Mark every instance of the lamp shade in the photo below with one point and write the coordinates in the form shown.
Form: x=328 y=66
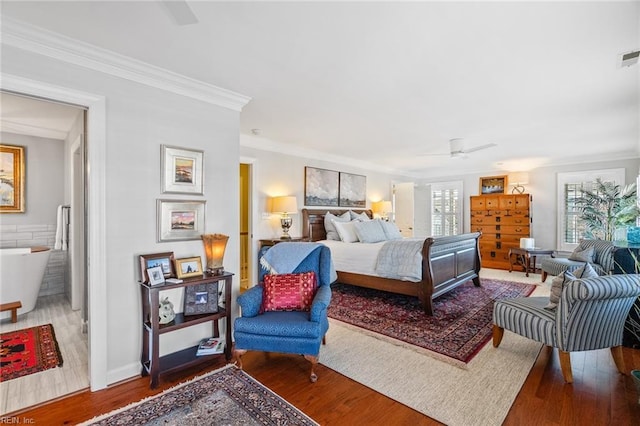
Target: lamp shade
x=519 y=178
x=285 y=204
x=381 y=207
x=214 y=247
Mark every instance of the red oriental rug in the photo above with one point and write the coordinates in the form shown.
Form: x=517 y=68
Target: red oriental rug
x=461 y=325
x=28 y=351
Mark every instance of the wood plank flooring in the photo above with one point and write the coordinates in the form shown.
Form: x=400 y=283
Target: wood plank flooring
x=598 y=396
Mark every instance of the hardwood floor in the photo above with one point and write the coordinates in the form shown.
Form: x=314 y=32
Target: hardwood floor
x=598 y=396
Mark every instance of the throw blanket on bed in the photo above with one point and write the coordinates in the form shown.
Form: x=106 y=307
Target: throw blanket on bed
x=284 y=258
x=401 y=259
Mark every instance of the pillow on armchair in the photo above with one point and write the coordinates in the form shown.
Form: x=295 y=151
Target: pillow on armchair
x=583 y=255
x=565 y=278
x=289 y=292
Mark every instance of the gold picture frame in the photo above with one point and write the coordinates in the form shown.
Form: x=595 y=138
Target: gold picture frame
x=189 y=267
x=493 y=185
x=12 y=170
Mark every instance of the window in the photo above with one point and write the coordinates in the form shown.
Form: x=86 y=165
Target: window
x=446 y=208
x=570 y=227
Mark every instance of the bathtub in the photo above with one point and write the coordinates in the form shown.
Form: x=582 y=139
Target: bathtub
x=21 y=273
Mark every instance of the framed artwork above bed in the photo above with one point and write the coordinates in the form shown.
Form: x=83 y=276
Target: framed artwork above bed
x=320 y=187
x=353 y=190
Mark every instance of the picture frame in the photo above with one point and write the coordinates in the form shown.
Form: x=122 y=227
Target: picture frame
x=156 y=276
x=182 y=170
x=163 y=260
x=189 y=267
x=180 y=220
x=493 y=185
x=12 y=173
x=201 y=299
x=321 y=187
x=353 y=190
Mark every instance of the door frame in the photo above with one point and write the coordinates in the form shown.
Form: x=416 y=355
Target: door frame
x=96 y=209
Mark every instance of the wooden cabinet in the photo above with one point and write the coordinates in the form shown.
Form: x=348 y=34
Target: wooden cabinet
x=503 y=220
x=152 y=363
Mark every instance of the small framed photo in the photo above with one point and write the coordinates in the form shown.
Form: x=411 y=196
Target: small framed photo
x=201 y=299
x=182 y=170
x=162 y=260
x=189 y=267
x=493 y=185
x=180 y=220
x=155 y=275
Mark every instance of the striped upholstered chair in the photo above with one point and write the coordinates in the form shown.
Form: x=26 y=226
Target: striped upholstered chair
x=602 y=262
x=590 y=315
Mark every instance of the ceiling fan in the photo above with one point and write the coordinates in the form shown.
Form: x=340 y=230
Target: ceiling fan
x=180 y=11
x=458 y=150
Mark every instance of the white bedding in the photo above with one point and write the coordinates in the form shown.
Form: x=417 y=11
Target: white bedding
x=402 y=261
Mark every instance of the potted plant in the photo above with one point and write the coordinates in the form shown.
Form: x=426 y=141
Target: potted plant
x=606 y=207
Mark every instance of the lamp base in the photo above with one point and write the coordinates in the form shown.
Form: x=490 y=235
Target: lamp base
x=518 y=189
x=215 y=271
x=285 y=222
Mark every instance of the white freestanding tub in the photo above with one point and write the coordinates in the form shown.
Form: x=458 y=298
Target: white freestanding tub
x=21 y=273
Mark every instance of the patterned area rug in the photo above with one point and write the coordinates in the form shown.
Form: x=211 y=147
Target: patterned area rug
x=460 y=327
x=227 y=396
x=28 y=351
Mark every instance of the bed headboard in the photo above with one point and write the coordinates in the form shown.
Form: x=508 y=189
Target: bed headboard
x=313 y=221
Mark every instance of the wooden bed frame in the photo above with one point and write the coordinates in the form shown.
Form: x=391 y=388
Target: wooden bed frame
x=450 y=261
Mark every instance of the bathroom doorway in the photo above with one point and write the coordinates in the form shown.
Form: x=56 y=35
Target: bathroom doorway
x=53 y=135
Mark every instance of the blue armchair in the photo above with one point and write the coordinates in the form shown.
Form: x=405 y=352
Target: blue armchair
x=590 y=315
x=297 y=332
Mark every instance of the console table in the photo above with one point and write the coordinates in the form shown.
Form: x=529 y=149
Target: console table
x=527 y=257
x=155 y=365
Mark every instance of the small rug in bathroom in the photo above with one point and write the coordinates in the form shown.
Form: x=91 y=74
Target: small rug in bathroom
x=28 y=351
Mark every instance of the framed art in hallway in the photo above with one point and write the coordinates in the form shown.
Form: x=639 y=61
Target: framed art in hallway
x=493 y=185
x=180 y=220
x=163 y=260
x=182 y=170
x=12 y=170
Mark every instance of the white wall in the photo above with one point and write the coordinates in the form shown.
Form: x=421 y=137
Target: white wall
x=140 y=118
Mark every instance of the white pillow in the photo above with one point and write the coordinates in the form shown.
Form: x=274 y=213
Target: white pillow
x=362 y=217
x=370 y=231
x=391 y=230
x=330 y=229
x=347 y=231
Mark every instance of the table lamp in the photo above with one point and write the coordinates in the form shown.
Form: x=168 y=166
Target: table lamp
x=284 y=205
x=214 y=247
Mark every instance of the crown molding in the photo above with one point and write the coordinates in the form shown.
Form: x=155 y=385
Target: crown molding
x=57 y=46
x=26 y=129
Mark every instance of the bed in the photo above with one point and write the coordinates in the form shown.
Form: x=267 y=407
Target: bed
x=450 y=262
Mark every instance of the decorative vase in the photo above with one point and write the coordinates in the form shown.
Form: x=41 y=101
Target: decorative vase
x=633 y=235
x=166 y=311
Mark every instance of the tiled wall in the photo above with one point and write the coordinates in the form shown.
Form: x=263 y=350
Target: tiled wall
x=39 y=235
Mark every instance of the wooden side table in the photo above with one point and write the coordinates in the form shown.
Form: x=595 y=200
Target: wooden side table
x=527 y=257
x=274 y=241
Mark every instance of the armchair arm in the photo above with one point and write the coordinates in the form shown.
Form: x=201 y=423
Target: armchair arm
x=250 y=301
x=320 y=303
x=605 y=287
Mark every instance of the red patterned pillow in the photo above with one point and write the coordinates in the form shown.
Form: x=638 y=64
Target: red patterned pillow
x=289 y=292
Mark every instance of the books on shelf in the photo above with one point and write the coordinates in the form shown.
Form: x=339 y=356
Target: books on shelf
x=210 y=346
x=173 y=280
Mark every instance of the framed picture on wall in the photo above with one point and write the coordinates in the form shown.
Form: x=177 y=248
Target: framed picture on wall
x=353 y=190
x=182 y=170
x=493 y=185
x=321 y=187
x=180 y=220
x=12 y=169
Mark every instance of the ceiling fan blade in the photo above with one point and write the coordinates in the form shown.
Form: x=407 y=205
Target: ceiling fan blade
x=180 y=12
x=478 y=148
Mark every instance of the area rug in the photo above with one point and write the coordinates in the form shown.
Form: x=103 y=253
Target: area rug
x=460 y=326
x=480 y=394
x=227 y=396
x=28 y=351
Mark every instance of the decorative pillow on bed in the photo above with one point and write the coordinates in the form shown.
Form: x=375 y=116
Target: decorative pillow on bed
x=370 y=231
x=330 y=229
x=391 y=230
x=565 y=278
x=347 y=231
x=289 y=292
x=583 y=255
x=363 y=217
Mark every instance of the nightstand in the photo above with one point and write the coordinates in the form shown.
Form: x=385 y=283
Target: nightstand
x=274 y=241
